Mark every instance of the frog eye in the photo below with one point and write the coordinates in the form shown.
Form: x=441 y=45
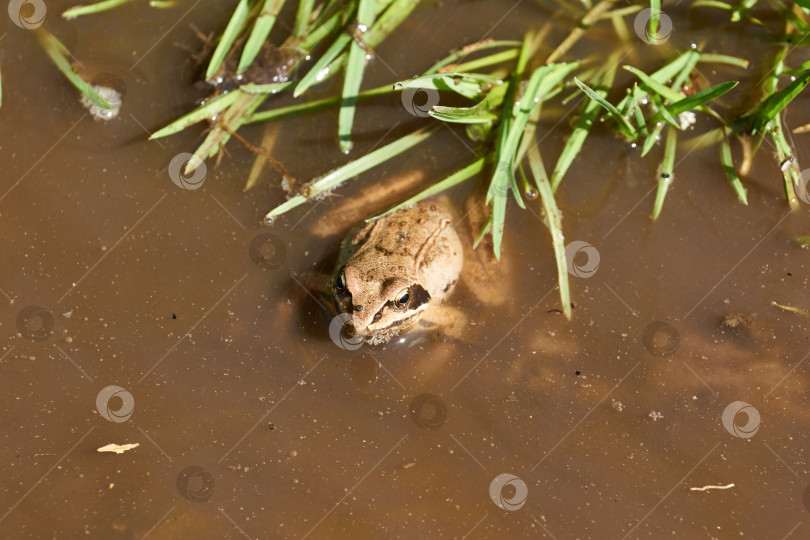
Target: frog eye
x=402 y=297
x=340 y=281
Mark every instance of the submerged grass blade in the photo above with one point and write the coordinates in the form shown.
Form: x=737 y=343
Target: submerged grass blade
x=231 y=120
x=667 y=166
x=228 y=38
x=730 y=172
x=456 y=178
x=59 y=55
x=325 y=183
x=261 y=29
x=98 y=7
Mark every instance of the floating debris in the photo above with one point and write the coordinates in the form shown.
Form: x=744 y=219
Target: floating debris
x=118 y=448
x=707 y=488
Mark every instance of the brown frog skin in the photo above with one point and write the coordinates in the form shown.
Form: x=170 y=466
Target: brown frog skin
x=392 y=269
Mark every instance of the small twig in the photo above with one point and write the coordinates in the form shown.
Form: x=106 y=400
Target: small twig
x=276 y=164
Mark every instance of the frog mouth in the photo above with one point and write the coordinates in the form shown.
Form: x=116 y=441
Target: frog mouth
x=387 y=332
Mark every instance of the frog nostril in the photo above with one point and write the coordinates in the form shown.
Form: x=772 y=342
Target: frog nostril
x=358 y=308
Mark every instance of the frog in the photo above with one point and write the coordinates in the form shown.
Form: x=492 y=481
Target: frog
x=394 y=272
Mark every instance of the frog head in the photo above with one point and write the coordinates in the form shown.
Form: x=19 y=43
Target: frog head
x=383 y=302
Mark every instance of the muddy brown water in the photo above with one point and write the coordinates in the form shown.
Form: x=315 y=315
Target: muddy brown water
x=252 y=422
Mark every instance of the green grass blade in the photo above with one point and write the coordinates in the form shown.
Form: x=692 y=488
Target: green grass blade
x=319 y=71
x=731 y=172
x=667 y=166
x=203 y=112
x=655 y=15
x=655 y=86
x=588 y=115
x=261 y=29
x=503 y=175
x=303 y=16
x=652 y=138
x=314 y=106
x=486 y=61
x=462 y=115
x=787 y=160
x=665 y=113
x=638 y=116
x=663 y=75
x=59 y=55
x=465 y=51
x=773 y=104
x=628 y=130
x=355 y=66
x=98 y=7
x=506 y=151
x=456 y=178
x=723 y=59
x=228 y=38
x=332 y=60
x=469 y=85
x=696 y=100
x=352 y=169
x=554 y=219
x=691 y=59
x=320 y=32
